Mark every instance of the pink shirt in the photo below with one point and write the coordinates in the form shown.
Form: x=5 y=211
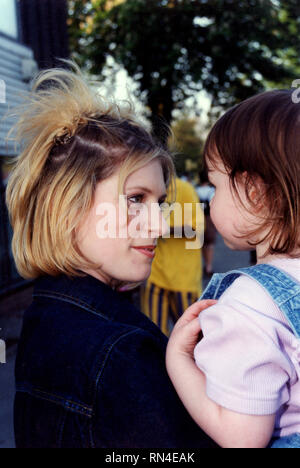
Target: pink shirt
x=249 y=354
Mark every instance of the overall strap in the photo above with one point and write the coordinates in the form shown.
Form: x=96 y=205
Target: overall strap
x=284 y=290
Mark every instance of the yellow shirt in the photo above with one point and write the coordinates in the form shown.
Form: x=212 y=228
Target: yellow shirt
x=177 y=265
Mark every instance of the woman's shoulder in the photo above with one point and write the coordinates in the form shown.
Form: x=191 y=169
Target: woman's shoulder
x=82 y=325
x=85 y=327
x=66 y=350
x=81 y=304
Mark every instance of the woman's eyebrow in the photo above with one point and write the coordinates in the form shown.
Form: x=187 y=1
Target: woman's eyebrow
x=147 y=190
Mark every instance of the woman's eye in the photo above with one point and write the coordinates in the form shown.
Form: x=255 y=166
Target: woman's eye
x=140 y=198
x=136 y=198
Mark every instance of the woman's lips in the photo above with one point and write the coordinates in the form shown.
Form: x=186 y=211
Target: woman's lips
x=148 y=250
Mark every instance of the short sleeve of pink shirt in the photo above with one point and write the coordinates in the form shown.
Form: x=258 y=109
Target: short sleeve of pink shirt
x=246 y=351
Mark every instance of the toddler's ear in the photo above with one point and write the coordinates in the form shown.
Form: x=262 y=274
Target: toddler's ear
x=253 y=195
x=255 y=189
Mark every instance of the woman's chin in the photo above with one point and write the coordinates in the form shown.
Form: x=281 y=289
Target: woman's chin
x=140 y=276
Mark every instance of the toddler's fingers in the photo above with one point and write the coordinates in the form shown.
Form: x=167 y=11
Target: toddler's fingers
x=188 y=336
x=194 y=310
x=193 y=328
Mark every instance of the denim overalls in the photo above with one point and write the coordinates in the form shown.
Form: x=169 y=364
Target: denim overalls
x=285 y=292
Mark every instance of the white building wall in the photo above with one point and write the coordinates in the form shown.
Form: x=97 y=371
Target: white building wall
x=14 y=57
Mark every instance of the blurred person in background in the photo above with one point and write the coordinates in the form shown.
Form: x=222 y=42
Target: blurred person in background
x=176 y=276
x=206 y=193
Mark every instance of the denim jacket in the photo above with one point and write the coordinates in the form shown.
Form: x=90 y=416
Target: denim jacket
x=90 y=373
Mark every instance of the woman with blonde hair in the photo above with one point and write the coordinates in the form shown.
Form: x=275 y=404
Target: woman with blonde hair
x=90 y=367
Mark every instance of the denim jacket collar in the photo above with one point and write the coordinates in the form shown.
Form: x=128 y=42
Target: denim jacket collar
x=86 y=292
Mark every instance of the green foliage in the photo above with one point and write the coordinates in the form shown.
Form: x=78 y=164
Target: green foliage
x=173 y=48
x=187 y=144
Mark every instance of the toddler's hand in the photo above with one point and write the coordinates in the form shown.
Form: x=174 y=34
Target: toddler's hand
x=185 y=334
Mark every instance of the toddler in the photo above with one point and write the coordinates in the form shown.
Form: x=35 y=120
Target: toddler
x=241 y=382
